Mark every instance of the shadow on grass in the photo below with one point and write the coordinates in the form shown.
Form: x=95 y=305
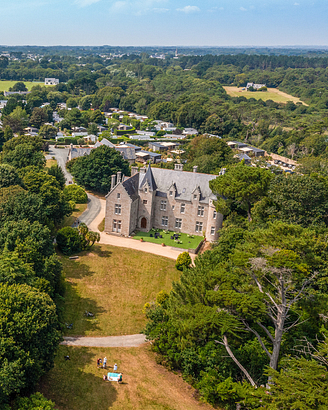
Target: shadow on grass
x=74 y=384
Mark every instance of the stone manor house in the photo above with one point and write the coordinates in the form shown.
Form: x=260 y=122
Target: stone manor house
x=175 y=200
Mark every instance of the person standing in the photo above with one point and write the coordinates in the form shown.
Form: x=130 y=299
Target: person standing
x=115 y=367
x=105 y=362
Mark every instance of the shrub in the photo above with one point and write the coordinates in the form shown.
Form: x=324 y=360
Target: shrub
x=35 y=402
x=183 y=260
x=75 y=193
x=69 y=240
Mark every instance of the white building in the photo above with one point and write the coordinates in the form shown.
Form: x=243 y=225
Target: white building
x=51 y=81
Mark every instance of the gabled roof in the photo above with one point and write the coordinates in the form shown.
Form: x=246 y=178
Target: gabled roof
x=149 y=179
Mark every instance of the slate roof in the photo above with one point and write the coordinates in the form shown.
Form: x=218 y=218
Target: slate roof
x=148 y=178
x=104 y=141
x=128 y=152
x=131 y=186
x=80 y=152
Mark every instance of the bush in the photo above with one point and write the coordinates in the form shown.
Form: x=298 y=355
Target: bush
x=69 y=240
x=183 y=260
x=35 y=402
x=75 y=193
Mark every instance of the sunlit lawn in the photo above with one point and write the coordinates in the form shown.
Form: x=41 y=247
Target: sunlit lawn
x=113 y=283
x=77 y=384
x=5 y=85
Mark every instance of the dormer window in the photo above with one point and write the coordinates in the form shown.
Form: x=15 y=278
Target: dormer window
x=195 y=196
x=146 y=190
x=118 y=196
x=171 y=193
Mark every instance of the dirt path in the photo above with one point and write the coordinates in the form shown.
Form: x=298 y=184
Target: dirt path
x=109 y=341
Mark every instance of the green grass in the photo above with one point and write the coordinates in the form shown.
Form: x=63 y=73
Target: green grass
x=114 y=284
x=101 y=226
x=187 y=241
x=5 y=85
x=77 y=384
x=271 y=94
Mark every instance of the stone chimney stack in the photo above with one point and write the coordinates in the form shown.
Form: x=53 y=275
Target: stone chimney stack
x=119 y=176
x=178 y=167
x=113 y=181
x=142 y=171
x=134 y=170
x=194 y=168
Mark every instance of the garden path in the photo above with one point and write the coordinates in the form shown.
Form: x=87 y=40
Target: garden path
x=166 y=251
x=108 y=341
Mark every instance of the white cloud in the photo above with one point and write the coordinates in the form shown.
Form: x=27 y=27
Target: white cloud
x=296 y=4
x=84 y=3
x=189 y=9
x=242 y=9
x=160 y=10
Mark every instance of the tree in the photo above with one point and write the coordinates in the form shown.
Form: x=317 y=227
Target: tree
x=94 y=171
x=8 y=133
x=93 y=129
x=68 y=240
x=242 y=185
x=183 y=261
x=57 y=172
x=298 y=199
x=71 y=103
x=46 y=186
x=301 y=383
x=35 y=141
x=76 y=194
x=20 y=86
x=8 y=176
x=210 y=154
x=35 y=402
x=38 y=117
x=17 y=204
x=17 y=120
x=47 y=131
x=24 y=155
x=88 y=238
x=28 y=336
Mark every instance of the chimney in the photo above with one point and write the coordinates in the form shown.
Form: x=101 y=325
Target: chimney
x=134 y=170
x=194 y=168
x=119 y=176
x=113 y=182
x=142 y=170
x=178 y=167
x=71 y=145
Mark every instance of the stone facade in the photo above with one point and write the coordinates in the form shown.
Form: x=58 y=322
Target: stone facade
x=160 y=198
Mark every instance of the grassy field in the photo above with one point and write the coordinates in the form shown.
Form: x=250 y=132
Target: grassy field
x=5 y=85
x=79 y=209
x=114 y=284
x=187 y=242
x=272 y=94
x=77 y=384
x=50 y=163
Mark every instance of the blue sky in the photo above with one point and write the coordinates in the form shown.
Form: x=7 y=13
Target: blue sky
x=164 y=22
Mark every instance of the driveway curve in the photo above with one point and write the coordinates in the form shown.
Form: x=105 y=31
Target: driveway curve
x=93 y=210
x=108 y=341
x=61 y=156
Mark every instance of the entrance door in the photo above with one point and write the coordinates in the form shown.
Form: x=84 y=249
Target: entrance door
x=144 y=223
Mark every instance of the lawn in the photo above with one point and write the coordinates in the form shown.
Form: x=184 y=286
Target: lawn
x=187 y=241
x=272 y=94
x=5 y=85
x=77 y=384
x=50 y=163
x=114 y=284
x=78 y=211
